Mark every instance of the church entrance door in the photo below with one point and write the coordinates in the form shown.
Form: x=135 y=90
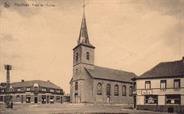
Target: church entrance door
x=108 y=99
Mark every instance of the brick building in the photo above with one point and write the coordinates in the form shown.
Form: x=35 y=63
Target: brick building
x=34 y=91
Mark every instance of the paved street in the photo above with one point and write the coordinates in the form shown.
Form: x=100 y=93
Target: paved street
x=71 y=109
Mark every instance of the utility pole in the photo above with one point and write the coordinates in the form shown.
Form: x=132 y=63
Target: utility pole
x=7 y=91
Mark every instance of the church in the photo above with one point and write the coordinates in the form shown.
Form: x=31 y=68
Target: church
x=95 y=84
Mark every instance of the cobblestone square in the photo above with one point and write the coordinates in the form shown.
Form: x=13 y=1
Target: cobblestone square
x=71 y=109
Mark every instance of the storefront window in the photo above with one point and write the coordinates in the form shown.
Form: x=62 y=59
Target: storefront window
x=28 y=99
x=173 y=99
x=151 y=99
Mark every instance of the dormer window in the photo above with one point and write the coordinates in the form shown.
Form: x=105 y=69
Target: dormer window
x=87 y=55
x=35 y=85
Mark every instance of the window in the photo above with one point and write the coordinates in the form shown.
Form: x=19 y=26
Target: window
x=116 y=90
x=77 y=57
x=163 y=84
x=52 y=90
x=44 y=89
x=151 y=99
x=58 y=91
x=35 y=85
x=76 y=71
x=99 y=89
x=173 y=99
x=177 y=83
x=147 y=85
x=130 y=91
x=19 y=89
x=76 y=86
x=124 y=90
x=2 y=91
x=28 y=89
x=58 y=98
x=87 y=55
x=1 y=98
x=108 y=90
x=18 y=97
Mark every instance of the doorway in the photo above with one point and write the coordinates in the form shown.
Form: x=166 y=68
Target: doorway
x=36 y=100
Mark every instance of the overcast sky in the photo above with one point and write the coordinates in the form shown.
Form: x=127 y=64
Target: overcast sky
x=129 y=35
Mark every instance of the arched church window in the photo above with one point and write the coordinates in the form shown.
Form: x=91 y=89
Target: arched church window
x=116 y=90
x=87 y=55
x=77 y=56
x=76 y=85
x=99 y=89
x=108 y=90
x=123 y=90
x=130 y=91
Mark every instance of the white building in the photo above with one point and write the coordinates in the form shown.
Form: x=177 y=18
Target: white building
x=162 y=88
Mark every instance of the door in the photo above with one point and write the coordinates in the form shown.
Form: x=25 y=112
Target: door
x=22 y=98
x=36 y=100
x=108 y=99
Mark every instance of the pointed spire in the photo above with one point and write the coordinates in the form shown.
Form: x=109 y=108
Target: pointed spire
x=83 y=36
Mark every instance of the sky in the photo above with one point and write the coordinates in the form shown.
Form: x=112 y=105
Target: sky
x=130 y=35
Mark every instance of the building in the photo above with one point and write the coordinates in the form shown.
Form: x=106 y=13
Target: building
x=162 y=88
x=94 y=84
x=34 y=91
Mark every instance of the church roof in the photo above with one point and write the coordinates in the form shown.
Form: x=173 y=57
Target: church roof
x=46 y=84
x=165 y=70
x=110 y=74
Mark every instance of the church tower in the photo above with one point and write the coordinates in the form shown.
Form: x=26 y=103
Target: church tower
x=83 y=57
x=83 y=53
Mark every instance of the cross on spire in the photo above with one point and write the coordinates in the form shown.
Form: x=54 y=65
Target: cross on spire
x=84 y=5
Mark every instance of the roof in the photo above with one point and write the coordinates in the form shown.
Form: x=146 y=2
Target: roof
x=165 y=69
x=110 y=74
x=46 y=84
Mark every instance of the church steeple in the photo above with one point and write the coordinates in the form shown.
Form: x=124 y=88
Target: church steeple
x=83 y=35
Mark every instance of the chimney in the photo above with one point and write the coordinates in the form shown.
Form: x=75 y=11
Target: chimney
x=22 y=80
